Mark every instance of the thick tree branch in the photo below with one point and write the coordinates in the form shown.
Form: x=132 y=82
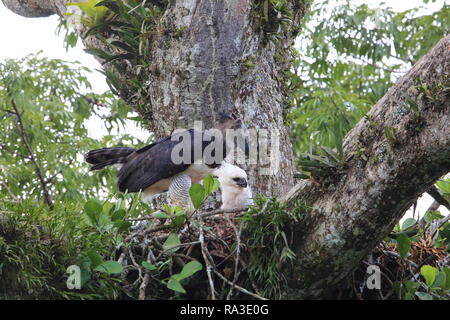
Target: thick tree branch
x=34 y=8
x=405 y=140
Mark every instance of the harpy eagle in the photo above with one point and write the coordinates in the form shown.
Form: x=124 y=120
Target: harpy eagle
x=173 y=163
x=236 y=192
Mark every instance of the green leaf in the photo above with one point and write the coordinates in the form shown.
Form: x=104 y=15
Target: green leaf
x=411 y=286
x=440 y=280
x=424 y=296
x=444 y=185
x=447 y=278
x=188 y=270
x=104 y=221
x=429 y=273
x=110 y=267
x=432 y=215
x=211 y=184
x=175 y=285
x=408 y=223
x=160 y=215
x=93 y=209
x=148 y=266
x=118 y=215
x=122 y=226
x=95 y=258
x=179 y=220
x=171 y=242
x=404 y=245
x=97 y=52
x=197 y=193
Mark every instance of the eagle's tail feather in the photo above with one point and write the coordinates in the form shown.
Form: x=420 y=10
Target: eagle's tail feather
x=101 y=158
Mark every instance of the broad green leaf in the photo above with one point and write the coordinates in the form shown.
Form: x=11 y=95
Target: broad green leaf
x=444 y=185
x=197 y=193
x=446 y=270
x=188 y=270
x=429 y=273
x=211 y=184
x=404 y=245
x=408 y=223
x=171 y=242
x=424 y=296
x=175 y=285
x=432 y=215
x=440 y=280
x=148 y=266
x=160 y=215
x=110 y=267
x=104 y=221
x=179 y=220
x=95 y=258
x=118 y=215
x=411 y=286
x=93 y=207
x=122 y=226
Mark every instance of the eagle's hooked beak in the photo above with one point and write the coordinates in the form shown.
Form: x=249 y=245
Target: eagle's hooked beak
x=241 y=182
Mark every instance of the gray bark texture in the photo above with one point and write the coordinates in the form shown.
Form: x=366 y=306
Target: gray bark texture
x=391 y=156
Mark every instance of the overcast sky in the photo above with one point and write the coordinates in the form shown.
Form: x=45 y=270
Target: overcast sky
x=21 y=36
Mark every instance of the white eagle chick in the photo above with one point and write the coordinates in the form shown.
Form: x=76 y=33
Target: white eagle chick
x=236 y=192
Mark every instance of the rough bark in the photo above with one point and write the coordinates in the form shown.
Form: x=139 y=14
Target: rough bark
x=359 y=206
x=391 y=156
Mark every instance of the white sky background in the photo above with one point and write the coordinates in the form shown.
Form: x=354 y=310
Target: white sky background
x=20 y=36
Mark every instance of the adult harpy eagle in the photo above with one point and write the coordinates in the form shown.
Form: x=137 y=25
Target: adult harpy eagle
x=157 y=168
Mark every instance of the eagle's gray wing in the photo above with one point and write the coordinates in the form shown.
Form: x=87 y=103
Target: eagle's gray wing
x=150 y=164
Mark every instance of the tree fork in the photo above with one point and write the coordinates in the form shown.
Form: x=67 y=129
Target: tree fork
x=362 y=204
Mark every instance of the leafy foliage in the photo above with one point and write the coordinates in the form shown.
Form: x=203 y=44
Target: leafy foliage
x=423 y=247
x=348 y=56
x=47 y=96
x=125 y=33
x=93 y=14
x=269 y=241
x=44 y=133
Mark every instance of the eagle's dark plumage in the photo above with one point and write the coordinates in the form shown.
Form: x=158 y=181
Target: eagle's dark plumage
x=150 y=169
x=101 y=158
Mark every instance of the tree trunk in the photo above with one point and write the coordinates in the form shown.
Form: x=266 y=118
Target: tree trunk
x=209 y=56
